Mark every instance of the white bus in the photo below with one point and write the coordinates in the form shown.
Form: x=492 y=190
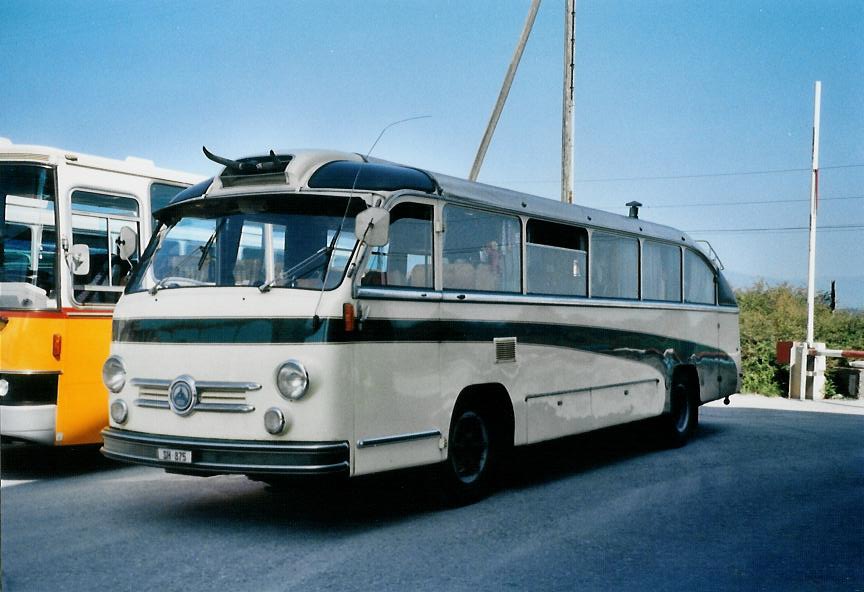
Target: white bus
x=320 y=312
x=69 y=231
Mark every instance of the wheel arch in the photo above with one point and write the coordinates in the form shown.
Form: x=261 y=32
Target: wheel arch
x=494 y=399
x=688 y=375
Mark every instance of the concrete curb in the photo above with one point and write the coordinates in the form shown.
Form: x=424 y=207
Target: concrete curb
x=845 y=406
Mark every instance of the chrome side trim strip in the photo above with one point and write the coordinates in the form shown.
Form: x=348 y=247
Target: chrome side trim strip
x=397 y=439
x=32 y=372
x=214 y=407
x=427 y=295
x=376 y=293
x=203 y=385
x=592 y=388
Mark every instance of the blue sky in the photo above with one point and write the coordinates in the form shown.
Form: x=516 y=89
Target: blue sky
x=678 y=90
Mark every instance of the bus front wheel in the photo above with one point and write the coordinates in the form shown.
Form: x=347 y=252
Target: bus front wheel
x=468 y=473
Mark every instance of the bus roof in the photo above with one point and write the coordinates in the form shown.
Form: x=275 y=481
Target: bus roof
x=54 y=156
x=313 y=170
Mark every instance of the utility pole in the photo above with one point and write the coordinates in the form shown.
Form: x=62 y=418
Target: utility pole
x=807 y=364
x=505 y=90
x=814 y=205
x=567 y=115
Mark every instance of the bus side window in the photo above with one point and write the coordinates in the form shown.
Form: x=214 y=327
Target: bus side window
x=556 y=258
x=406 y=261
x=96 y=221
x=661 y=272
x=698 y=279
x=614 y=266
x=482 y=251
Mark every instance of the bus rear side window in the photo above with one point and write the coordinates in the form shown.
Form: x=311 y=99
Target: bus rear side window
x=614 y=266
x=661 y=272
x=556 y=259
x=698 y=279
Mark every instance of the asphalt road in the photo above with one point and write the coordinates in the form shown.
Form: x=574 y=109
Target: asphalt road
x=761 y=499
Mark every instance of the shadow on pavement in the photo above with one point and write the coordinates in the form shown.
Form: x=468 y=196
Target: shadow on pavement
x=348 y=504
x=28 y=462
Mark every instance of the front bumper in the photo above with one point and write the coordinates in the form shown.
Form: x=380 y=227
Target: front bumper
x=215 y=457
x=33 y=423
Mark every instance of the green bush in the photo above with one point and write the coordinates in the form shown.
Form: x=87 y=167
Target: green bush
x=779 y=313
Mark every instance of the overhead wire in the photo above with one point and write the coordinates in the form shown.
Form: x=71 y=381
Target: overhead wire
x=687 y=176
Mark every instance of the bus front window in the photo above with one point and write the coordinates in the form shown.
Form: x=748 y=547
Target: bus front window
x=259 y=242
x=28 y=238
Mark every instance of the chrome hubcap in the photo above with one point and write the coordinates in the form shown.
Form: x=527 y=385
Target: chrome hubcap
x=469 y=447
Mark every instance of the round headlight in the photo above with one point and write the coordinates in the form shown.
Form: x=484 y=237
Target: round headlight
x=4 y=387
x=114 y=374
x=292 y=380
x=119 y=411
x=274 y=421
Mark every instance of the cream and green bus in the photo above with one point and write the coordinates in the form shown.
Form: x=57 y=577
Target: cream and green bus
x=314 y=312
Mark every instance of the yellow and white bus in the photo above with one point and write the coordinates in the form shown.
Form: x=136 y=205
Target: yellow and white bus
x=320 y=312
x=68 y=241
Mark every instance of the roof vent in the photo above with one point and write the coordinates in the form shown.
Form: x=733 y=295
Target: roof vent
x=254 y=170
x=634 y=208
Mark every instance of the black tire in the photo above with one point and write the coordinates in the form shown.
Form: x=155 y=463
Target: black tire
x=473 y=455
x=677 y=426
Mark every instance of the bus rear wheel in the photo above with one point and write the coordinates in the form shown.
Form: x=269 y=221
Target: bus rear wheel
x=468 y=473
x=677 y=426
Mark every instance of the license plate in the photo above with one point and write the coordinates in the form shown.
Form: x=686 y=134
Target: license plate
x=176 y=456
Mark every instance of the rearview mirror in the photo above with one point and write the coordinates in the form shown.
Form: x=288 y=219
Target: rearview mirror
x=372 y=226
x=79 y=259
x=127 y=243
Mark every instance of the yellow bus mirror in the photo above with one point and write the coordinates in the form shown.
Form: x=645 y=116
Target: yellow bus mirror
x=127 y=243
x=79 y=259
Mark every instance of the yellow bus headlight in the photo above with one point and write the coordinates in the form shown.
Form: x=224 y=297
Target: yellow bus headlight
x=114 y=374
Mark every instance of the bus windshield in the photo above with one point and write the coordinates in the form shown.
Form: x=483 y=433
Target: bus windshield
x=28 y=237
x=265 y=242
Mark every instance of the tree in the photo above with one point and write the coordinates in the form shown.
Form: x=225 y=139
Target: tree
x=779 y=313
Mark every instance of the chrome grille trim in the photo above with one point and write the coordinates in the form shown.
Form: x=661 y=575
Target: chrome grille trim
x=200 y=406
x=202 y=385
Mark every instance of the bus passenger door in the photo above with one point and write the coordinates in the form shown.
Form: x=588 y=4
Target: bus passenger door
x=397 y=404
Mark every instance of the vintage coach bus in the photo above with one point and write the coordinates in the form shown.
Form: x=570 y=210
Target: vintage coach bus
x=320 y=312
x=69 y=228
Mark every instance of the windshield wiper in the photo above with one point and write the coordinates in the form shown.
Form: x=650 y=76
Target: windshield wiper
x=300 y=269
x=205 y=249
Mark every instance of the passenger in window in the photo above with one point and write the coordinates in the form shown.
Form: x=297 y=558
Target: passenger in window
x=491 y=256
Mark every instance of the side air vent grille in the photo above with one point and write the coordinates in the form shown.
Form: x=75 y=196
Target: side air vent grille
x=505 y=349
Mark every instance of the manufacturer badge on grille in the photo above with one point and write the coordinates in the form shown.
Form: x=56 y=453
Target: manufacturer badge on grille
x=182 y=395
